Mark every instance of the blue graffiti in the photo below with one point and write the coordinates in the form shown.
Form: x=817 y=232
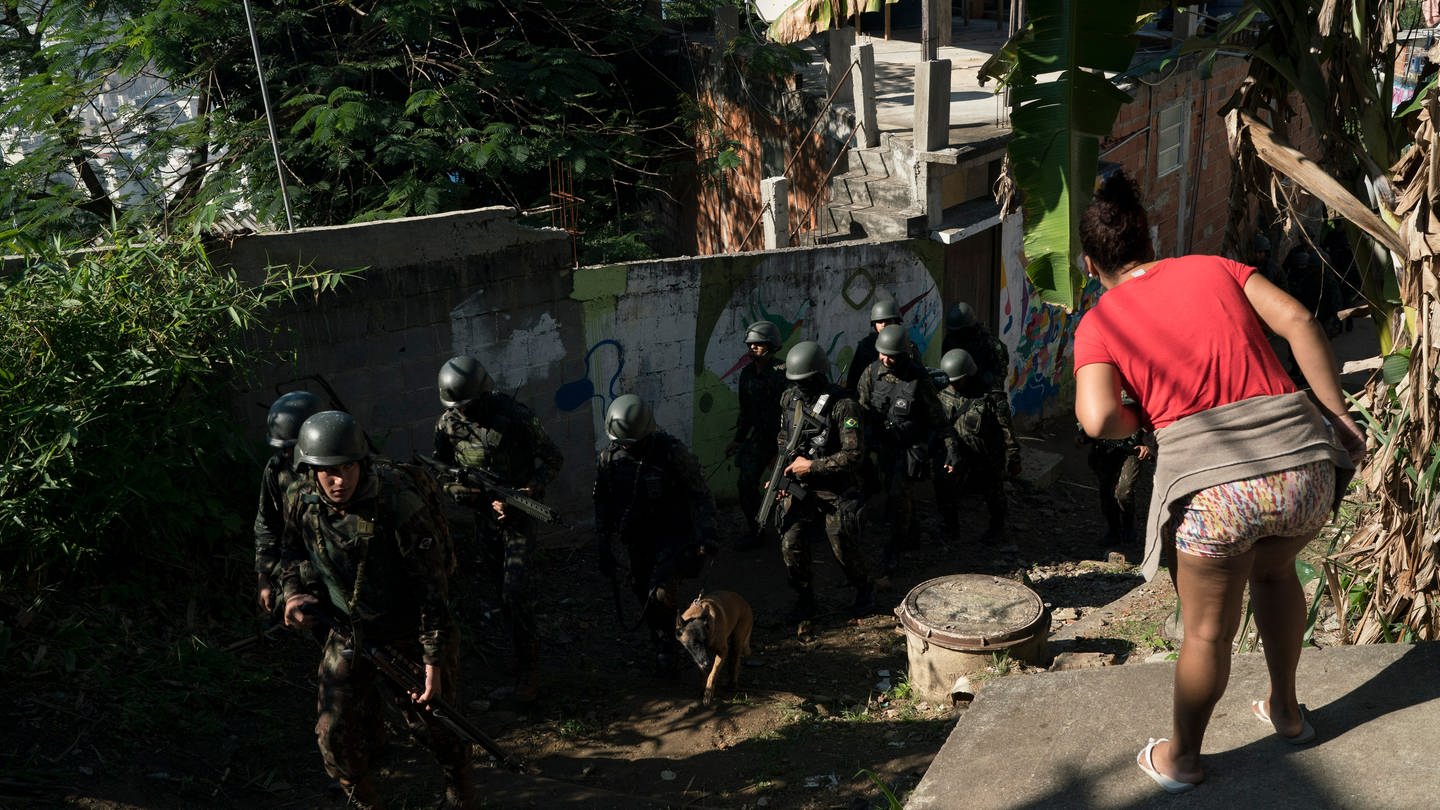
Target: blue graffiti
x=576 y=394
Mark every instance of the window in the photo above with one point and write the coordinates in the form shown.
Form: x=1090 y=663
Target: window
x=1170 y=151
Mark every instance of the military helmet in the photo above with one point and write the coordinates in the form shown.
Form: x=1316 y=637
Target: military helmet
x=329 y=439
x=628 y=419
x=958 y=364
x=892 y=341
x=805 y=360
x=960 y=316
x=462 y=378
x=884 y=309
x=286 y=416
x=1260 y=242
x=763 y=332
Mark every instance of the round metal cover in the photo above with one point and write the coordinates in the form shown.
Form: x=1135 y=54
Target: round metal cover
x=972 y=612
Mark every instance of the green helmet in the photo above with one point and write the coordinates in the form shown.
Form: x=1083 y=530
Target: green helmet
x=287 y=414
x=628 y=419
x=884 y=309
x=892 y=341
x=958 y=364
x=960 y=316
x=462 y=378
x=805 y=360
x=329 y=439
x=763 y=332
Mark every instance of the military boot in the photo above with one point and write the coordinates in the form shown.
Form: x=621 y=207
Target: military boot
x=362 y=793
x=459 y=790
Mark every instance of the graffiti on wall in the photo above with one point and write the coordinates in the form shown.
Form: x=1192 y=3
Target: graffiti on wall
x=577 y=393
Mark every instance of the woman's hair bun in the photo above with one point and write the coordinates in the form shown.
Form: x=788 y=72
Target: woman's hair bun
x=1118 y=190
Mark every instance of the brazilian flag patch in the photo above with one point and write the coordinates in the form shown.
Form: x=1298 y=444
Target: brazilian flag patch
x=850 y=423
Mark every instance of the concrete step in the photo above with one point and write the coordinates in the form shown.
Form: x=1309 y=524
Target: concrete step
x=865 y=189
x=881 y=222
x=1069 y=739
x=875 y=161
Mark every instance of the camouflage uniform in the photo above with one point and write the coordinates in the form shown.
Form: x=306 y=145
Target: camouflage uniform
x=1117 y=468
x=495 y=433
x=982 y=450
x=652 y=497
x=865 y=354
x=761 y=384
x=993 y=360
x=834 y=442
x=279 y=474
x=379 y=563
x=904 y=413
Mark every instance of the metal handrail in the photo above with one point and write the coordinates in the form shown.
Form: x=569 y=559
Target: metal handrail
x=829 y=173
x=745 y=241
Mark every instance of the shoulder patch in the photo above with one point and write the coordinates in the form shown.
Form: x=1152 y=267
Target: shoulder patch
x=850 y=423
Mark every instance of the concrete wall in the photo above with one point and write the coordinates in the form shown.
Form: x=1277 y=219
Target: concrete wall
x=566 y=342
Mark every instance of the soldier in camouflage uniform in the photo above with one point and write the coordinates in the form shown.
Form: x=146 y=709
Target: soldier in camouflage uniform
x=883 y=313
x=368 y=535
x=822 y=498
x=490 y=431
x=899 y=401
x=651 y=496
x=1117 y=464
x=978 y=453
x=282 y=426
x=964 y=331
x=761 y=384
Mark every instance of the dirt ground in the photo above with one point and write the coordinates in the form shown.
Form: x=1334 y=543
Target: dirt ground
x=823 y=721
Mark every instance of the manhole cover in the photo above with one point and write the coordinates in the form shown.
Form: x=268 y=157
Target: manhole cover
x=972 y=612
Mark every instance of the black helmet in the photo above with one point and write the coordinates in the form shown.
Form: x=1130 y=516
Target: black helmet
x=958 y=364
x=763 y=332
x=329 y=439
x=287 y=414
x=892 y=341
x=884 y=309
x=805 y=360
x=960 y=316
x=1260 y=242
x=462 y=378
x=628 y=419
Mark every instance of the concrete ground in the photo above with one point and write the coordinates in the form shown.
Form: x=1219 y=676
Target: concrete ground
x=1069 y=739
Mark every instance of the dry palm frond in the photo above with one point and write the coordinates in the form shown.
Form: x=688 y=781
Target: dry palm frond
x=1390 y=560
x=806 y=17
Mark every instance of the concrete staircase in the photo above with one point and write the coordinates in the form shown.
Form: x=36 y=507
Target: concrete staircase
x=876 y=198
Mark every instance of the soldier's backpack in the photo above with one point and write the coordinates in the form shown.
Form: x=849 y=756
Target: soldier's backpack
x=419 y=479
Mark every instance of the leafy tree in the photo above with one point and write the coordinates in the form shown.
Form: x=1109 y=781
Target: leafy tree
x=113 y=396
x=384 y=108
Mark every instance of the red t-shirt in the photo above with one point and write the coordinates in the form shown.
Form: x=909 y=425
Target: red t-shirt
x=1183 y=337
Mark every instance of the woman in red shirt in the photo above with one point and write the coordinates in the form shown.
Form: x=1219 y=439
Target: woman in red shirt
x=1247 y=465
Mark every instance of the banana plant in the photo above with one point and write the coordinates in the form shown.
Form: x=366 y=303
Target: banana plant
x=1061 y=69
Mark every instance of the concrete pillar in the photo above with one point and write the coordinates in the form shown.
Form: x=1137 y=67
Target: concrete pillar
x=941 y=21
x=727 y=27
x=932 y=105
x=775 y=197
x=864 y=76
x=839 y=42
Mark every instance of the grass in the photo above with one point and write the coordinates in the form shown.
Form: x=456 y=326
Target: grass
x=1000 y=666
x=573 y=728
x=1146 y=636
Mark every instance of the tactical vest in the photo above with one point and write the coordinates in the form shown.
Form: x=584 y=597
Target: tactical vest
x=975 y=424
x=645 y=499
x=902 y=416
x=501 y=445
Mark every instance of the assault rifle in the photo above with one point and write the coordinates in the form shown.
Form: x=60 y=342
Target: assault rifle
x=408 y=678
x=780 y=483
x=491 y=486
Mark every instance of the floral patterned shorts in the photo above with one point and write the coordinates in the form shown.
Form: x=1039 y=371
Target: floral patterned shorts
x=1227 y=520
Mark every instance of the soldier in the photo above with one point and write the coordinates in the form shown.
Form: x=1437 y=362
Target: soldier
x=823 y=497
x=761 y=384
x=883 y=313
x=899 y=402
x=1117 y=464
x=964 y=331
x=282 y=426
x=487 y=430
x=651 y=496
x=368 y=535
x=977 y=453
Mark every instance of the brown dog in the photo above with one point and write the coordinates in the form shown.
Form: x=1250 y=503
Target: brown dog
x=715 y=630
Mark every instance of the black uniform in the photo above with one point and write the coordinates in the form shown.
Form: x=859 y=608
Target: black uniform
x=761 y=384
x=652 y=497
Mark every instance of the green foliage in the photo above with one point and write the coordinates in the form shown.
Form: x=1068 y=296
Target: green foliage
x=1063 y=105
x=384 y=109
x=112 y=390
x=892 y=801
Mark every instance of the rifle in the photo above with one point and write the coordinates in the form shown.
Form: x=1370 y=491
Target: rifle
x=780 y=482
x=407 y=678
x=486 y=481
